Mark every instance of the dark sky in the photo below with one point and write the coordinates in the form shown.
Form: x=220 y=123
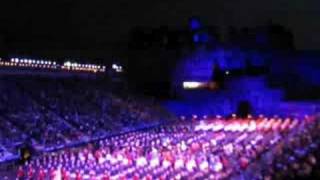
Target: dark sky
x=95 y=23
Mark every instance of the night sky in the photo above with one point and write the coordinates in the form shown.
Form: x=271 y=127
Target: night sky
x=102 y=23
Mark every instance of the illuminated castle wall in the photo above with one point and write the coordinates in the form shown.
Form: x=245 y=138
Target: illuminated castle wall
x=264 y=98
x=225 y=102
x=199 y=65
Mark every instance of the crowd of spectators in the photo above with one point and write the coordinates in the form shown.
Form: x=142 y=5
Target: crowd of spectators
x=49 y=113
x=55 y=116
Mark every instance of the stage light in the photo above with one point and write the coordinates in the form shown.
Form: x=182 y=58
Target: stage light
x=227 y=72
x=183 y=146
x=213 y=142
x=204 y=165
x=166 y=163
x=217 y=167
x=119 y=157
x=178 y=164
x=67 y=64
x=154 y=162
x=113 y=160
x=192 y=84
x=252 y=126
x=191 y=165
x=217 y=127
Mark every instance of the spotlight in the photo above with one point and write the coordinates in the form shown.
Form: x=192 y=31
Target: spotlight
x=114 y=66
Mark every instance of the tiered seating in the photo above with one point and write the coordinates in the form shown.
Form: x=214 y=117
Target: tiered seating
x=52 y=113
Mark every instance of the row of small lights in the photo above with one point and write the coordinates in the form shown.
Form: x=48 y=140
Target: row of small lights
x=234 y=116
x=117 y=68
x=249 y=116
x=53 y=65
x=26 y=65
x=83 y=67
x=29 y=63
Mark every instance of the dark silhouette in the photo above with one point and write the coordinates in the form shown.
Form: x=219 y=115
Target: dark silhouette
x=244 y=109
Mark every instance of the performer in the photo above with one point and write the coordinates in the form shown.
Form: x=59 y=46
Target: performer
x=30 y=172
x=57 y=174
x=106 y=176
x=78 y=176
x=20 y=173
x=65 y=174
x=41 y=175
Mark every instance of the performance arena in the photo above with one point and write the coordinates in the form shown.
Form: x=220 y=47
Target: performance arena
x=176 y=104
x=72 y=121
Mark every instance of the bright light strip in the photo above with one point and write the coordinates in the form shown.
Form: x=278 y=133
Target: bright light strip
x=67 y=65
x=192 y=84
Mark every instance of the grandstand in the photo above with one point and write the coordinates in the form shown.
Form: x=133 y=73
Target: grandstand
x=50 y=113
x=63 y=121
x=164 y=90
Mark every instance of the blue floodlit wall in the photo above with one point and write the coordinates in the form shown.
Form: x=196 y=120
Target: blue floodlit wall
x=304 y=65
x=308 y=66
x=225 y=102
x=263 y=100
x=256 y=90
x=198 y=66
